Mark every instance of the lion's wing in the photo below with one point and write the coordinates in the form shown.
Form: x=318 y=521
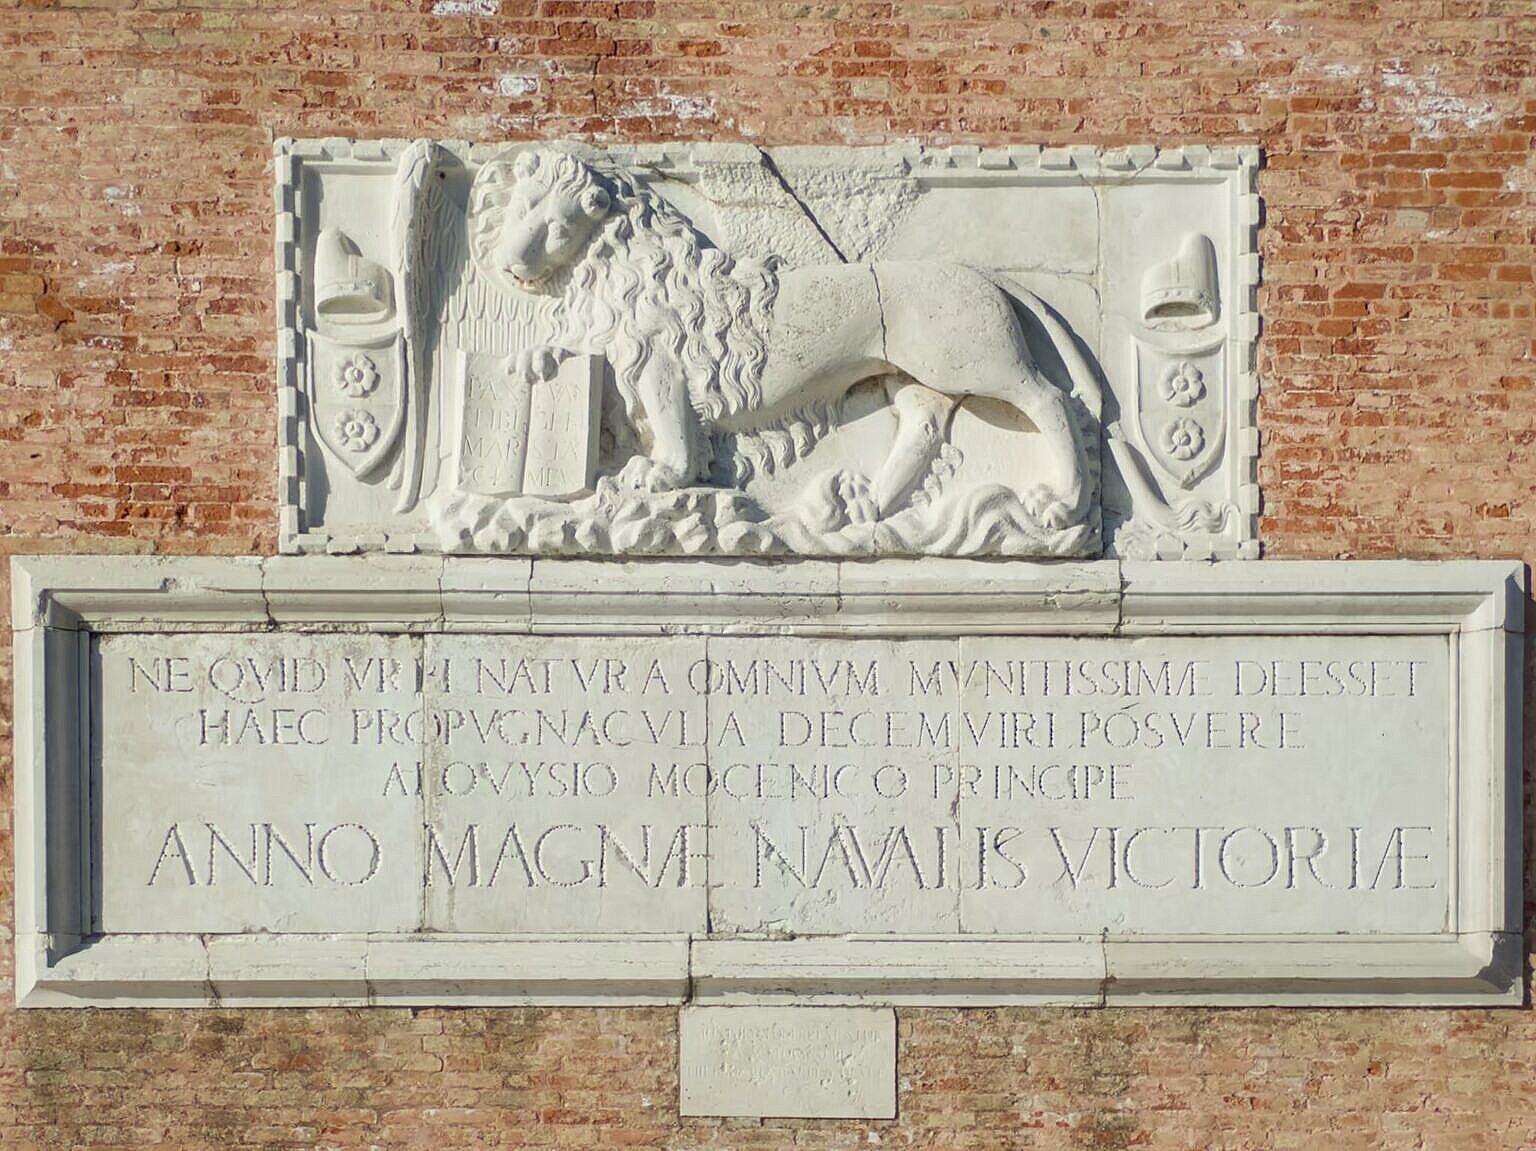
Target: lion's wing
x=453 y=310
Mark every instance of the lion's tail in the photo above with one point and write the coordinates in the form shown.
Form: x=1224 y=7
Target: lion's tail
x=741 y=456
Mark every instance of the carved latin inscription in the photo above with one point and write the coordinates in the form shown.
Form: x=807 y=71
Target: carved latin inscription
x=745 y=785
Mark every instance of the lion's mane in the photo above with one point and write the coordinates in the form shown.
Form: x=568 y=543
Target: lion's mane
x=651 y=294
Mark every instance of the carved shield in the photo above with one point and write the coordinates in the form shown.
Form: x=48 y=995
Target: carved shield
x=1181 y=408
x=357 y=398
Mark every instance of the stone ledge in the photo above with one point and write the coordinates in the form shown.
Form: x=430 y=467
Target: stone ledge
x=421 y=593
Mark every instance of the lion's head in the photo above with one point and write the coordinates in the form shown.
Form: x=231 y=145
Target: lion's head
x=553 y=206
x=630 y=276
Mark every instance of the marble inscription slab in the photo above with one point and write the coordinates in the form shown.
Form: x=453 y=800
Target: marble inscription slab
x=786 y=785
x=1186 y=765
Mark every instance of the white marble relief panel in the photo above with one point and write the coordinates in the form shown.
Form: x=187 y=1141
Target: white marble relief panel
x=719 y=349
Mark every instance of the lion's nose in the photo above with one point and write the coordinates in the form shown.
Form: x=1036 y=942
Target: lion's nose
x=514 y=261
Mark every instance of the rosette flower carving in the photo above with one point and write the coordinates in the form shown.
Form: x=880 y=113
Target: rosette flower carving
x=1183 y=438
x=1182 y=384
x=356 y=430
x=357 y=376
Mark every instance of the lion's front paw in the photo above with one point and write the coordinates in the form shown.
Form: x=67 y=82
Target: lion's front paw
x=537 y=364
x=643 y=474
x=1048 y=508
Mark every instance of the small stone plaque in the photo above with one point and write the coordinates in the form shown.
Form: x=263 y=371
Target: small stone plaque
x=788 y=1062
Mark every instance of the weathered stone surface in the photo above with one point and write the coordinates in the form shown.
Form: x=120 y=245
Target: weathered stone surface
x=550 y=784
x=1246 y=759
x=254 y=760
x=1213 y=785
x=832 y=795
x=541 y=791
x=721 y=349
x=789 y=1062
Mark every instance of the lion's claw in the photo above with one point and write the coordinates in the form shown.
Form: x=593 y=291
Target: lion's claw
x=537 y=364
x=1048 y=508
x=856 y=494
x=643 y=474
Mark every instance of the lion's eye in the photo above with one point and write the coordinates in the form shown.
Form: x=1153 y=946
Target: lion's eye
x=559 y=233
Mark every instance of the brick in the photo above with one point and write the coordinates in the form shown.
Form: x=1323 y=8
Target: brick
x=138 y=406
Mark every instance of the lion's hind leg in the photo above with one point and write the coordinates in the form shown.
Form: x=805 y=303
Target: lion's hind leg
x=957 y=331
x=1062 y=497
x=922 y=422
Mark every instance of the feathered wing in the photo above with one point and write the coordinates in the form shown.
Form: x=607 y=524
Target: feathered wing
x=450 y=309
x=411 y=220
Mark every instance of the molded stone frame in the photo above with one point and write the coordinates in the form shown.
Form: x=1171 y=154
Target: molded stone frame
x=60 y=602
x=1233 y=480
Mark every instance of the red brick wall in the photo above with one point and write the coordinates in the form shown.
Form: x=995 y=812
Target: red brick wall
x=136 y=413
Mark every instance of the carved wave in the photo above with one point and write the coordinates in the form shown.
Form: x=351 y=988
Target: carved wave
x=1146 y=537
x=985 y=520
x=989 y=520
